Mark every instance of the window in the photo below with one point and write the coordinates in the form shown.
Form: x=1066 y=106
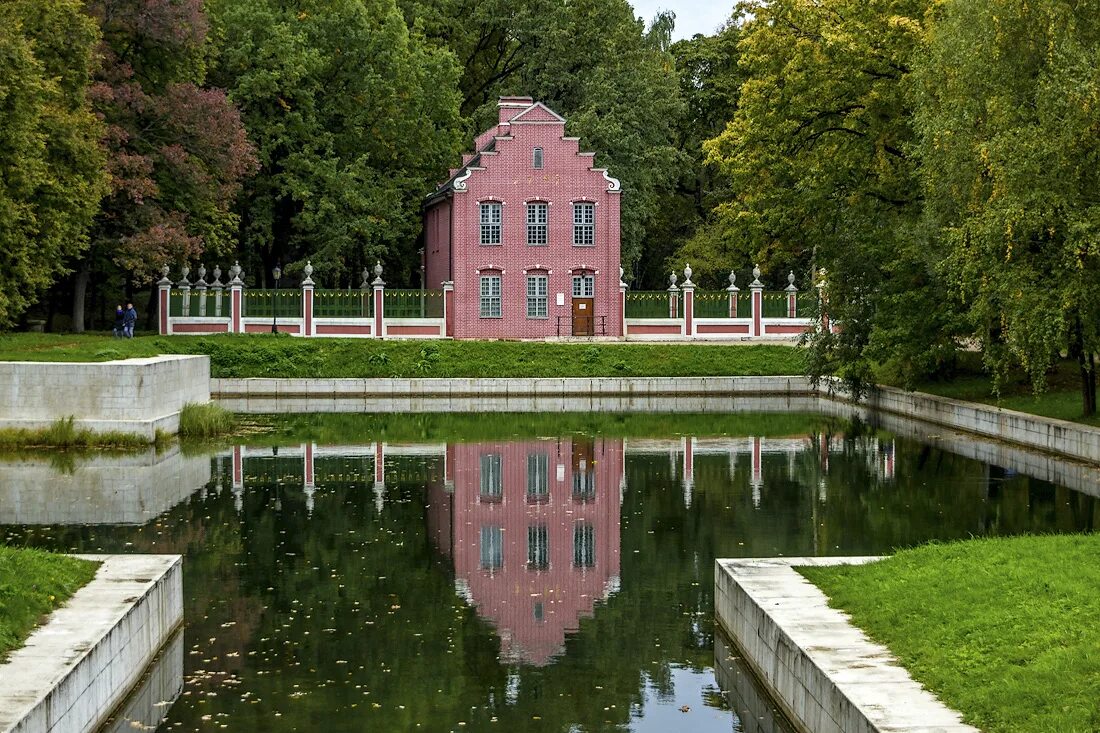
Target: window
x=538 y=477
x=538 y=547
x=490 y=222
x=490 y=296
x=584 y=224
x=584 y=546
x=492 y=547
x=536 y=296
x=536 y=222
x=538 y=611
x=584 y=286
x=536 y=158
x=584 y=481
x=492 y=486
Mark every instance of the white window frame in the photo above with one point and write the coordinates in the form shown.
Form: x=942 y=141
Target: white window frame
x=491 y=476
x=538 y=223
x=584 y=546
x=490 y=296
x=584 y=224
x=492 y=213
x=538 y=547
x=538 y=476
x=491 y=547
x=538 y=296
x=584 y=285
x=538 y=158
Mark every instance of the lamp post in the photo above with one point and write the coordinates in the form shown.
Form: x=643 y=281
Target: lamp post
x=421 y=282
x=276 y=273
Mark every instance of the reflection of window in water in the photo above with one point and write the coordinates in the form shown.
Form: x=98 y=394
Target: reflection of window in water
x=492 y=485
x=538 y=547
x=584 y=471
x=538 y=476
x=584 y=546
x=492 y=547
x=538 y=611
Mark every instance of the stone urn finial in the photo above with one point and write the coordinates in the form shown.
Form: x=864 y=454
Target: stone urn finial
x=378 y=274
x=184 y=272
x=733 y=282
x=308 y=272
x=687 y=274
x=366 y=278
x=202 y=271
x=164 y=270
x=672 y=279
x=756 y=277
x=217 y=276
x=790 y=282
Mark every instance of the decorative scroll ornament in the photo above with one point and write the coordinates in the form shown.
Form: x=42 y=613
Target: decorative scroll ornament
x=612 y=183
x=460 y=182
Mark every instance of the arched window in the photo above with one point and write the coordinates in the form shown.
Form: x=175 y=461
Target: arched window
x=536 y=158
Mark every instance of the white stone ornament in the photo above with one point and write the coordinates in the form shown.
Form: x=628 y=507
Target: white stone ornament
x=308 y=272
x=687 y=275
x=217 y=275
x=202 y=272
x=378 y=274
x=672 y=279
x=756 y=277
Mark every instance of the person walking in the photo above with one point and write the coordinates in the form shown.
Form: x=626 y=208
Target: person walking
x=120 y=321
x=129 y=318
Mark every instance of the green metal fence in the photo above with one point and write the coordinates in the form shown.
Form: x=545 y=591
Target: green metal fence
x=195 y=300
x=282 y=303
x=712 y=305
x=412 y=303
x=775 y=305
x=343 y=303
x=648 y=303
x=807 y=304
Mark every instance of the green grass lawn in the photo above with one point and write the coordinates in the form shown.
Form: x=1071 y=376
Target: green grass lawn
x=284 y=356
x=32 y=584
x=1061 y=400
x=1003 y=630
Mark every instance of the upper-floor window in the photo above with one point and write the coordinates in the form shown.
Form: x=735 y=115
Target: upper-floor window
x=538 y=547
x=584 y=546
x=537 y=214
x=490 y=222
x=537 y=296
x=584 y=224
x=536 y=158
x=490 y=296
x=492 y=547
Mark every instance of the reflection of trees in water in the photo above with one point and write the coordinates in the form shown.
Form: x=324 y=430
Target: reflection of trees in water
x=320 y=616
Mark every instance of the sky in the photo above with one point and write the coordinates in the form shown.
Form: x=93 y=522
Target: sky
x=692 y=16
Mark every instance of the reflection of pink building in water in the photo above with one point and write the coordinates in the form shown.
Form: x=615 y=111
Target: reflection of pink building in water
x=532 y=528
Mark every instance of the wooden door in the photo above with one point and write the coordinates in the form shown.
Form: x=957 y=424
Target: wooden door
x=583 y=320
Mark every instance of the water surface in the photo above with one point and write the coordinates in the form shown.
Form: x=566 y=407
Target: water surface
x=558 y=581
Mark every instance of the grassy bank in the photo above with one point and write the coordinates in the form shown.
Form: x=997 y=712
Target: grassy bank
x=969 y=382
x=285 y=356
x=351 y=428
x=63 y=434
x=205 y=421
x=1003 y=630
x=32 y=584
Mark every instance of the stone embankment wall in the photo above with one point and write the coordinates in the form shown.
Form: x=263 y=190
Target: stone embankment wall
x=78 y=667
x=825 y=674
x=134 y=395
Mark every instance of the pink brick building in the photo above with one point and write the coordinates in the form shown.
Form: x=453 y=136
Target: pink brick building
x=527 y=230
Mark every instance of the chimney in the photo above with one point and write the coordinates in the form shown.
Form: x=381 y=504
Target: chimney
x=509 y=107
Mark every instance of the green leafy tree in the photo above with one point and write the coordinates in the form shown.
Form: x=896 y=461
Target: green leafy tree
x=819 y=154
x=1008 y=113
x=354 y=118
x=52 y=165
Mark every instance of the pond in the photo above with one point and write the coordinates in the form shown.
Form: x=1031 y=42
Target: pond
x=523 y=572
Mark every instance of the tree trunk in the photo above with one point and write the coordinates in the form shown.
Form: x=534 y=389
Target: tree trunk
x=151 y=314
x=1086 y=362
x=80 y=288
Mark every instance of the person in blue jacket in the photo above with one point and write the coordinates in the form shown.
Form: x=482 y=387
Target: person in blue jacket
x=129 y=318
x=120 y=321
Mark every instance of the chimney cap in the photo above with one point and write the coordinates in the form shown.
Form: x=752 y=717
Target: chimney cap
x=515 y=102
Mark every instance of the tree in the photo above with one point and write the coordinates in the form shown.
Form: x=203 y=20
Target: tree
x=354 y=118
x=177 y=151
x=819 y=154
x=49 y=152
x=1008 y=113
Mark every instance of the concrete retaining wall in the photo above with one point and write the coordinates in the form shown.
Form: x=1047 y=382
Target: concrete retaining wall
x=75 y=670
x=826 y=675
x=134 y=395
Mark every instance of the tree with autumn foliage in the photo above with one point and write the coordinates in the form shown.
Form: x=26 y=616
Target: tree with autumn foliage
x=51 y=165
x=176 y=151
